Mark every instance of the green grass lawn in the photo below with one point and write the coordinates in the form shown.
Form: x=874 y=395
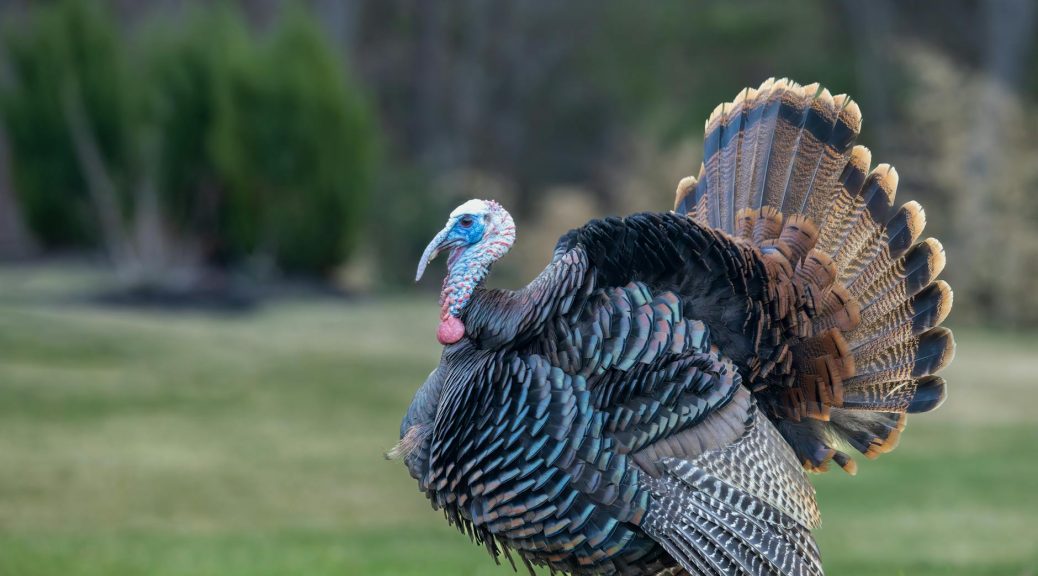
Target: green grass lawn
x=183 y=443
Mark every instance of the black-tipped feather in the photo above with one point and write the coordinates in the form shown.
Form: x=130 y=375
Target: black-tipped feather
x=936 y=350
x=904 y=228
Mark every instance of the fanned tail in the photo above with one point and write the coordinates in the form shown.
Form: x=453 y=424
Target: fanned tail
x=856 y=307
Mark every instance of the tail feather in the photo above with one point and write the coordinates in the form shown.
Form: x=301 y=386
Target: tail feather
x=753 y=110
x=834 y=156
x=841 y=203
x=683 y=197
x=790 y=135
x=700 y=196
x=930 y=393
x=857 y=307
x=765 y=137
x=711 y=180
x=935 y=351
x=821 y=116
x=911 y=396
x=918 y=268
x=863 y=225
x=871 y=433
x=924 y=311
x=731 y=145
x=913 y=357
x=903 y=230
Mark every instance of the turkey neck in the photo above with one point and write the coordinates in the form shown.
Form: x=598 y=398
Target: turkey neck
x=467 y=269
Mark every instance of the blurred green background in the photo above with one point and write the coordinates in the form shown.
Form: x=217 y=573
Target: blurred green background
x=210 y=213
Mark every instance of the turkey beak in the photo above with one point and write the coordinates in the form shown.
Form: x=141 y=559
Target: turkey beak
x=432 y=250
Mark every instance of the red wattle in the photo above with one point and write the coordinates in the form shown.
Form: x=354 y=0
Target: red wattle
x=450 y=330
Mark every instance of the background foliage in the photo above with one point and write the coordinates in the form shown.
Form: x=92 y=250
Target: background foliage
x=72 y=50
x=256 y=145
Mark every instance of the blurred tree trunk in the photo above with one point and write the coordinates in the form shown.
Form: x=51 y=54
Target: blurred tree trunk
x=988 y=256
x=15 y=241
x=143 y=252
x=99 y=182
x=14 y=238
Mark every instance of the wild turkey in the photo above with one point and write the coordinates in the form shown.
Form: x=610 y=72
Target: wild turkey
x=650 y=402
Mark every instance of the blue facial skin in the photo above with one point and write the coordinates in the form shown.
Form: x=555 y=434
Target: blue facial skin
x=467 y=235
